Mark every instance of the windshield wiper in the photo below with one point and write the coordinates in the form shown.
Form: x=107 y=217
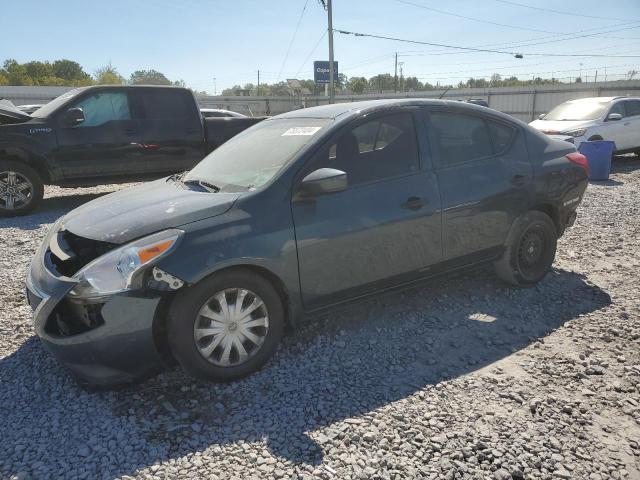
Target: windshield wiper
x=176 y=177
x=210 y=187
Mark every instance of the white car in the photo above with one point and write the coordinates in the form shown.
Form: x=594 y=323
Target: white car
x=597 y=118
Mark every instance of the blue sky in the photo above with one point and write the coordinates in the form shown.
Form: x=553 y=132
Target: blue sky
x=197 y=40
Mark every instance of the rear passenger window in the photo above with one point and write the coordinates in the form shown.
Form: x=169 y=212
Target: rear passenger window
x=460 y=138
x=501 y=135
x=167 y=104
x=381 y=148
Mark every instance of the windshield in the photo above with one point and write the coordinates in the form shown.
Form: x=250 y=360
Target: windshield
x=46 y=110
x=578 y=110
x=253 y=157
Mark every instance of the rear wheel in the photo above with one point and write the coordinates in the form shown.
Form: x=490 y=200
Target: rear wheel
x=21 y=188
x=227 y=326
x=530 y=250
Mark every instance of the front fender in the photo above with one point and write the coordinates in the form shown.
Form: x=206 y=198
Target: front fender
x=264 y=240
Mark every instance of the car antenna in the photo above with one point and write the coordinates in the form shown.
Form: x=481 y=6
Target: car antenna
x=443 y=93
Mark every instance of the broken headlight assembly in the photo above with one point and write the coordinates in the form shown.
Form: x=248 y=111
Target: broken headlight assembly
x=121 y=269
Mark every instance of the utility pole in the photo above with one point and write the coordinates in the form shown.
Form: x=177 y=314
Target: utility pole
x=401 y=77
x=332 y=92
x=395 y=76
x=258 y=87
x=214 y=87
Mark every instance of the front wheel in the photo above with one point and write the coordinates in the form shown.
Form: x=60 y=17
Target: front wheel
x=227 y=326
x=21 y=188
x=530 y=250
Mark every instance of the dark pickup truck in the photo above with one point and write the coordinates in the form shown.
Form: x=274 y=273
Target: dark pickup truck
x=103 y=134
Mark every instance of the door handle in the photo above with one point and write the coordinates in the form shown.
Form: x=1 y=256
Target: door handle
x=413 y=203
x=518 y=180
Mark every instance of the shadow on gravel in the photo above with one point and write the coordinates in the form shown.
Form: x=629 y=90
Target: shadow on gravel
x=48 y=211
x=337 y=368
x=625 y=164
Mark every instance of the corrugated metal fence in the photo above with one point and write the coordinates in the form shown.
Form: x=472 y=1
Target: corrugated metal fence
x=525 y=103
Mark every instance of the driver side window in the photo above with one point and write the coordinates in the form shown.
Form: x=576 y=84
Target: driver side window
x=104 y=107
x=618 y=108
x=381 y=148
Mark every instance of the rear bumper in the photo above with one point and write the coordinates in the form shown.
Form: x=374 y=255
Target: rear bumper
x=118 y=348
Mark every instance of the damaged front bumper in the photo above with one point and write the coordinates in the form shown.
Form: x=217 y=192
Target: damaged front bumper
x=104 y=343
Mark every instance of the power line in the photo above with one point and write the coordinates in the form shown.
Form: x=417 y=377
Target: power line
x=560 y=12
x=313 y=50
x=481 y=20
x=483 y=50
x=295 y=32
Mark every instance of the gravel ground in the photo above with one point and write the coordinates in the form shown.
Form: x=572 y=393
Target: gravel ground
x=459 y=378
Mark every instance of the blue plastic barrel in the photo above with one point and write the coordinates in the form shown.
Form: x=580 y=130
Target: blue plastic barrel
x=598 y=153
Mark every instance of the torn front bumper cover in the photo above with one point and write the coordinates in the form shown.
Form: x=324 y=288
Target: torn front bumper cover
x=104 y=344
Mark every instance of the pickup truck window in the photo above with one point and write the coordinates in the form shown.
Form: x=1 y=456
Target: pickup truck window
x=253 y=157
x=167 y=103
x=104 y=107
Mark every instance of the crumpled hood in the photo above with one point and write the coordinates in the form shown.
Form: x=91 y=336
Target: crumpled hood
x=138 y=211
x=560 y=126
x=9 y=113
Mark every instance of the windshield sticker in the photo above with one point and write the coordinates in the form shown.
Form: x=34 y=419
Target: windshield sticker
x=297 y=131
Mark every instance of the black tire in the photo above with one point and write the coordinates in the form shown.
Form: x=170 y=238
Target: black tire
x=593 y=138
x=184 y=313
x=530 y=250
x=10 y=206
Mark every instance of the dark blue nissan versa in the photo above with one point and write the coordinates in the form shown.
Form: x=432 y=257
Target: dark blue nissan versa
x=298 y=213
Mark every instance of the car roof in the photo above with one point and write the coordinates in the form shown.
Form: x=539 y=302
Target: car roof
x=345 y=111
x=600 y=99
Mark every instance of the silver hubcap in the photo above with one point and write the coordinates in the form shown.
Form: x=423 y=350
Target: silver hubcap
x=231 y=327
x=15 y=190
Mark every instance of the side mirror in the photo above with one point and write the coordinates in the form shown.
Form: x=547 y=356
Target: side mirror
x=322 y=181
x=614 y=116
x=541 y=116
x=73 y=116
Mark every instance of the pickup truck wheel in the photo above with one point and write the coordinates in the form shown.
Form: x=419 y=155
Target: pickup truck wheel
x=21 y=188
x=530 y=250
x=227 y=326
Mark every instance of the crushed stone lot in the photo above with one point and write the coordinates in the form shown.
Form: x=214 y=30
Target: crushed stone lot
x=459 y=378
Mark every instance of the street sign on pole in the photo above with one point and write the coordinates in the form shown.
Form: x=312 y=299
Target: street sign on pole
x=321 y=72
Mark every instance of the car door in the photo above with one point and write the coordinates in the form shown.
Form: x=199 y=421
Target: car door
x=384 y=228
x=630 y=130
x=615 y=130
x=172 y=130
x=105 y=143
x=485 y=181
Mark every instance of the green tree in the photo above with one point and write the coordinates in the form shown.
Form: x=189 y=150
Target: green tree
x=413 y=84
x=71 y=72
x=382 y=82
x=3 y=79
x=358 y=84
x=108 y=75
x=148 y=77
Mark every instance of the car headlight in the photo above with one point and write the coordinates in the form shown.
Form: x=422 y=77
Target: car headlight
x=576 y=133
x=120 y=270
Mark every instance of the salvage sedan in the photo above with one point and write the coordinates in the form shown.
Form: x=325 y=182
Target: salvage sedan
x=297 y=214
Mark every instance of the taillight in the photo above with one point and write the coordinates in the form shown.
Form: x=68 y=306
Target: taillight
x=578 y=159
